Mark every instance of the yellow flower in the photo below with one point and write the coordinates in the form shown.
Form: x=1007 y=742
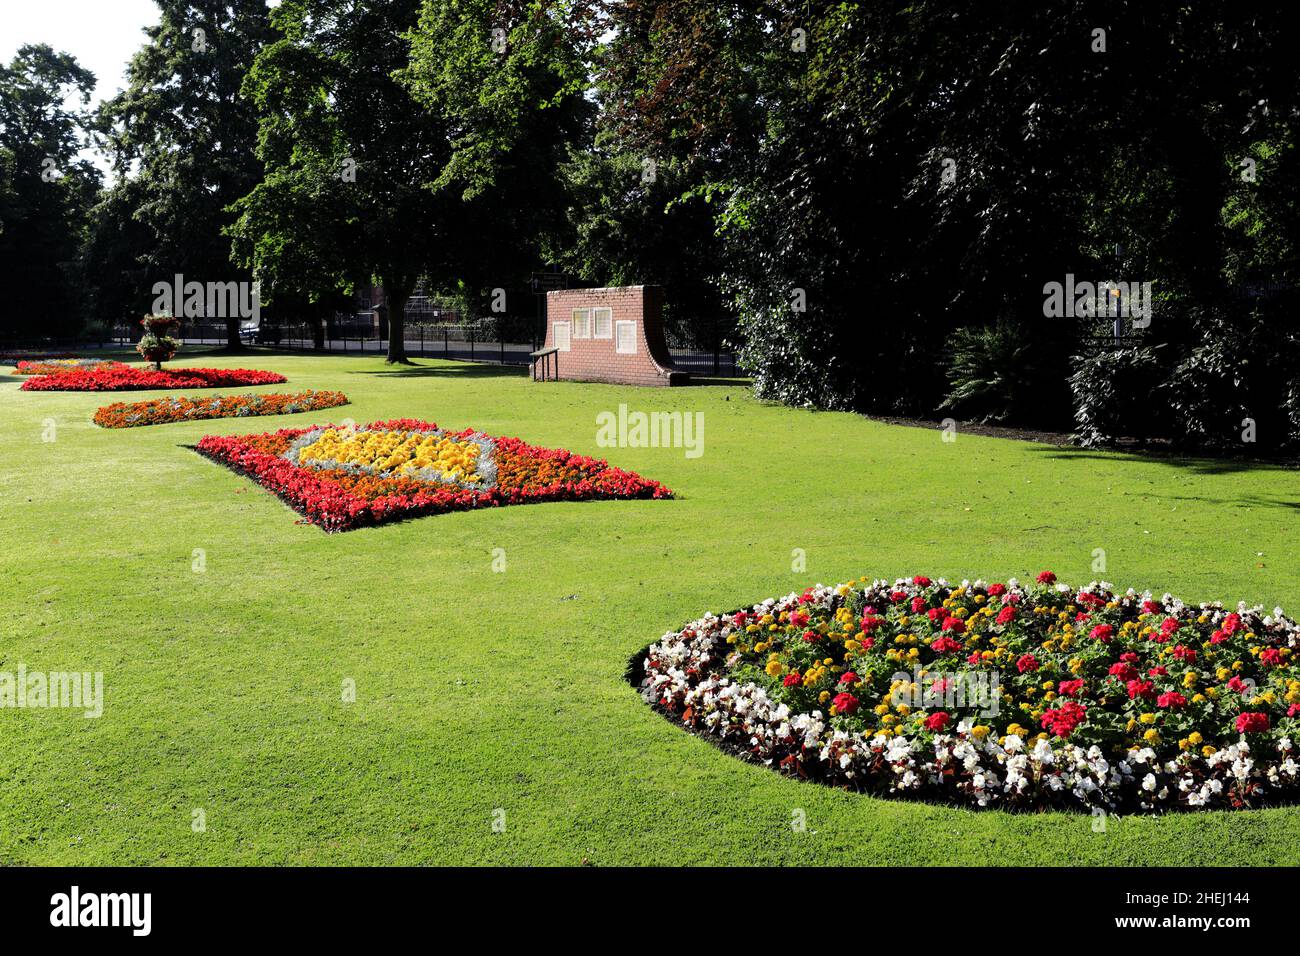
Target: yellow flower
x=1152 y=736
x=774 y=668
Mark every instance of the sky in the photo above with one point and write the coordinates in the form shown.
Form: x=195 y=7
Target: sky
x=102 y=34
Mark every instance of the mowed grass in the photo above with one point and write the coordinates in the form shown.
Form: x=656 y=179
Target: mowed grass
x=487 y=697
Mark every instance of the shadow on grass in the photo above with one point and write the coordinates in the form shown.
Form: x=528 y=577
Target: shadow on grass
x=449 y=368
x=718 y=380
x=1196 y=465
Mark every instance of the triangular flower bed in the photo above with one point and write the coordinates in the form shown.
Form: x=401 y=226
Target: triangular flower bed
x=341 y=478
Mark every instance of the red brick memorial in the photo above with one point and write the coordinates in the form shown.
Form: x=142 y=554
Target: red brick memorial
x=606 y=335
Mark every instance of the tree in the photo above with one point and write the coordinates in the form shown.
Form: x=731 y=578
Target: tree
x=508 y=78
x=181 y=120
x=349 y=156
x=889 y=173
x=45 y=189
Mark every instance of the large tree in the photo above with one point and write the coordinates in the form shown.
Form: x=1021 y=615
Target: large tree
x=46 y=190
x=349 y=158
x=891 y=172
x=183 y=142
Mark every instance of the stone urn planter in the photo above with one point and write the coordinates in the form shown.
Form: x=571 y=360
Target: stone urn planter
x=158 y=345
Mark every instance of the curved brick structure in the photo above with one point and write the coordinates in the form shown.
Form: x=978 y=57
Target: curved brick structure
x=609 y=335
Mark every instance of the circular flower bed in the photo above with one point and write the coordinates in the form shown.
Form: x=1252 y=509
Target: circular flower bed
x=122 y=378
x=162 y=411
x=997 y=695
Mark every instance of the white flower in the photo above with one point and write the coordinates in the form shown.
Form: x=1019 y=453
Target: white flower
x=1149 y=782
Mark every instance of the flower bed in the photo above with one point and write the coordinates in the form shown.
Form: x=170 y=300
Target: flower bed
x=161 y=411
x=32 y=355
x=124 y=378
x=343 y=479
x=58 y=366
x=997 y=695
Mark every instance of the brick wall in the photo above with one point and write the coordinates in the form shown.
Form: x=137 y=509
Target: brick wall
x=594 y=359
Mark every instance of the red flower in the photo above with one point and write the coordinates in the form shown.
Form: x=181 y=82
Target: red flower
x=870 y=622
x=1157 y=672
x=1070 y=688
x=1046 y=577
x=1271 y=656
x=1249 y=723
x=1141 y=688
x=799 y=618
x=918 y=605
x=954 y=624
x=996 y=590
x=922 y=580
x=937 y=721
x=1232 y=623
x=792 y=679
x=1172 y=700
x=943 y=644
x=812 y=637
x=1184 y=653
x=1102 y=632
x=846 y=703
x=1123 y=671
x=848 y=677
x=1006 y=615
x=1026 y=662
x=1062 y=721
x=1236 y=684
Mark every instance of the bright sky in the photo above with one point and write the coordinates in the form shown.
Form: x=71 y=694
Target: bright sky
x=101 y=34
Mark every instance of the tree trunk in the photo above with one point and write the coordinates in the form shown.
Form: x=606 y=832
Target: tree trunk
x=396 y=301
x=318 y=333
x=233 y=342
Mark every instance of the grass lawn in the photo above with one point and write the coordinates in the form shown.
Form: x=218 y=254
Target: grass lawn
x=478 y=691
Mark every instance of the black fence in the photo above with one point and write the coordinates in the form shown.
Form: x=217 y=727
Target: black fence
x=507 y=342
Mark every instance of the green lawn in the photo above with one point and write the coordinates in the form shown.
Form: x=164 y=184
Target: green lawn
x=479 y=691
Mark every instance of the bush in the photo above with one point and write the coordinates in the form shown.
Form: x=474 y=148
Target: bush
x=1112 y=394
x=1007 y=373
